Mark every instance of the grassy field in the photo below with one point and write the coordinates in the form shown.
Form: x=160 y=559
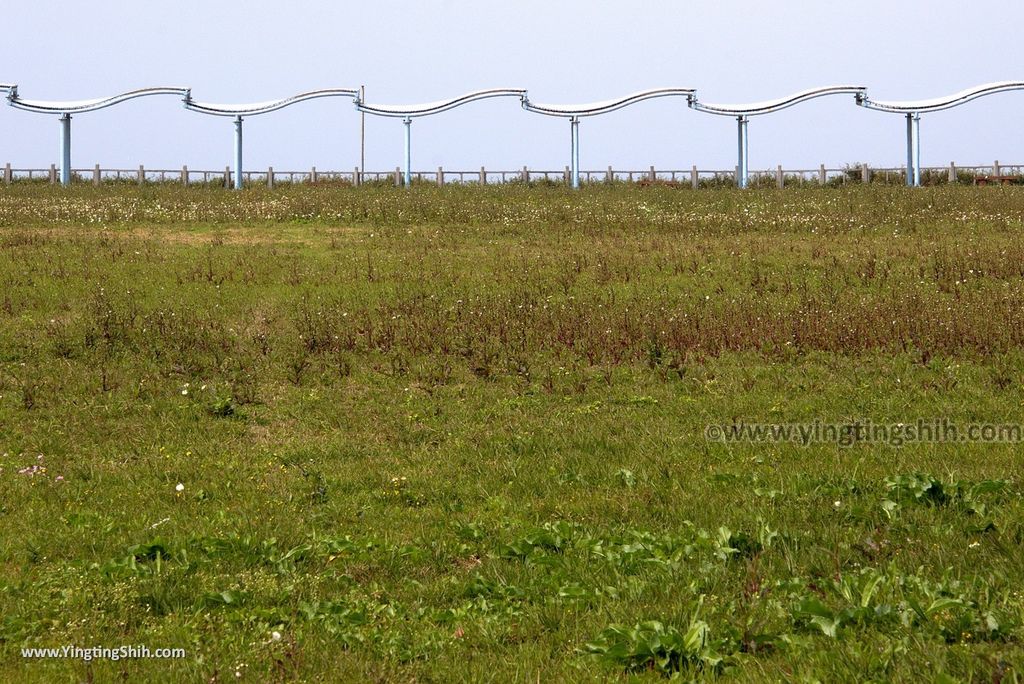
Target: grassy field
x=451 y=433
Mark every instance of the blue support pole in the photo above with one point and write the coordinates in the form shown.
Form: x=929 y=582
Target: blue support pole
x=65 y=149
x=238 y=153
x=575 y=124
x=913 y=150
x=408 y=150
x=741 y=165
x=917 y=150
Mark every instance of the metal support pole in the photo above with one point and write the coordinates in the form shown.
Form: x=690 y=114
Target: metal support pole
x=913 y=150
x=741 y=167
x=575 y=123
x=917 y=149
x=408 y=150
x=238 y=153
x=362 y=138
x=65 y=149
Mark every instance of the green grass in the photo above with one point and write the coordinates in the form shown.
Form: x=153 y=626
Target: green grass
x=458 y=433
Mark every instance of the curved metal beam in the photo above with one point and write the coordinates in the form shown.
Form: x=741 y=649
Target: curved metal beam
x=594 y=108
x=78 y=106
x=939 y=103
x=426 y=109
x=253 y=108
x=769 y=106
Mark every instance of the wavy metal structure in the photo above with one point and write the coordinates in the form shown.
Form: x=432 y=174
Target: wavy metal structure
x=80 y=106
x=408 y=112
x=940 y=103
x=574 y=112
x=66 y=108
x=240 y=111
x=743 y=112
x=595 y=108
x=254 y=108
x=428 y=108
x=912 y=110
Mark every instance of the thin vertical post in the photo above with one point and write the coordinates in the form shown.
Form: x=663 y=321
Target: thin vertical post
x=996 y=170
x=611 y=175
x=270 y=177
x=780 y=180
x=952 y=172
x=575 y=125
x=142 y=174
x=184 y=175
x=741 y=169
x=96 y=175
x=8 y=176
x=362 y=136
x=408 y=150
x=440 y=175
x=865 y=173
x=822 y=175
x=312 y=176
x=238 y=153
x=483 y=176
x=694 y=177
x=65 y=149
x=917 y=149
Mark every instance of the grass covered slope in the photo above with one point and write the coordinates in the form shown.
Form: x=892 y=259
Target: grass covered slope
x=459 y=433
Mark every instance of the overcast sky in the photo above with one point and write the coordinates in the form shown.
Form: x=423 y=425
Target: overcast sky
x=561 y=51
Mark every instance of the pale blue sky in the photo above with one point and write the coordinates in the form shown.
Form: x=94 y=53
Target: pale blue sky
x=568 y=51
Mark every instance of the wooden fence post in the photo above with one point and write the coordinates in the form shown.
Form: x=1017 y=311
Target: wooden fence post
x=526 y=175
x=227 y=177
x=996 y=170
x=780 y=180
x=865 y=173
x=694 y=177
x=270 y=177
x=654 y=175
x=142 y=174
x=184 y=175
x=53 y=174
x=566 y=174
x=611 y=175
x=822 y=176
x=440 y=175
x=398 y=176
x=312 y=176
x=96 y=175
x=357 y=177
x=952 y=172
x=483 y=176
x=8 y=176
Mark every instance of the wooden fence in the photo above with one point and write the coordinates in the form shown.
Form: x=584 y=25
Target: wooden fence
x=694 y=176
